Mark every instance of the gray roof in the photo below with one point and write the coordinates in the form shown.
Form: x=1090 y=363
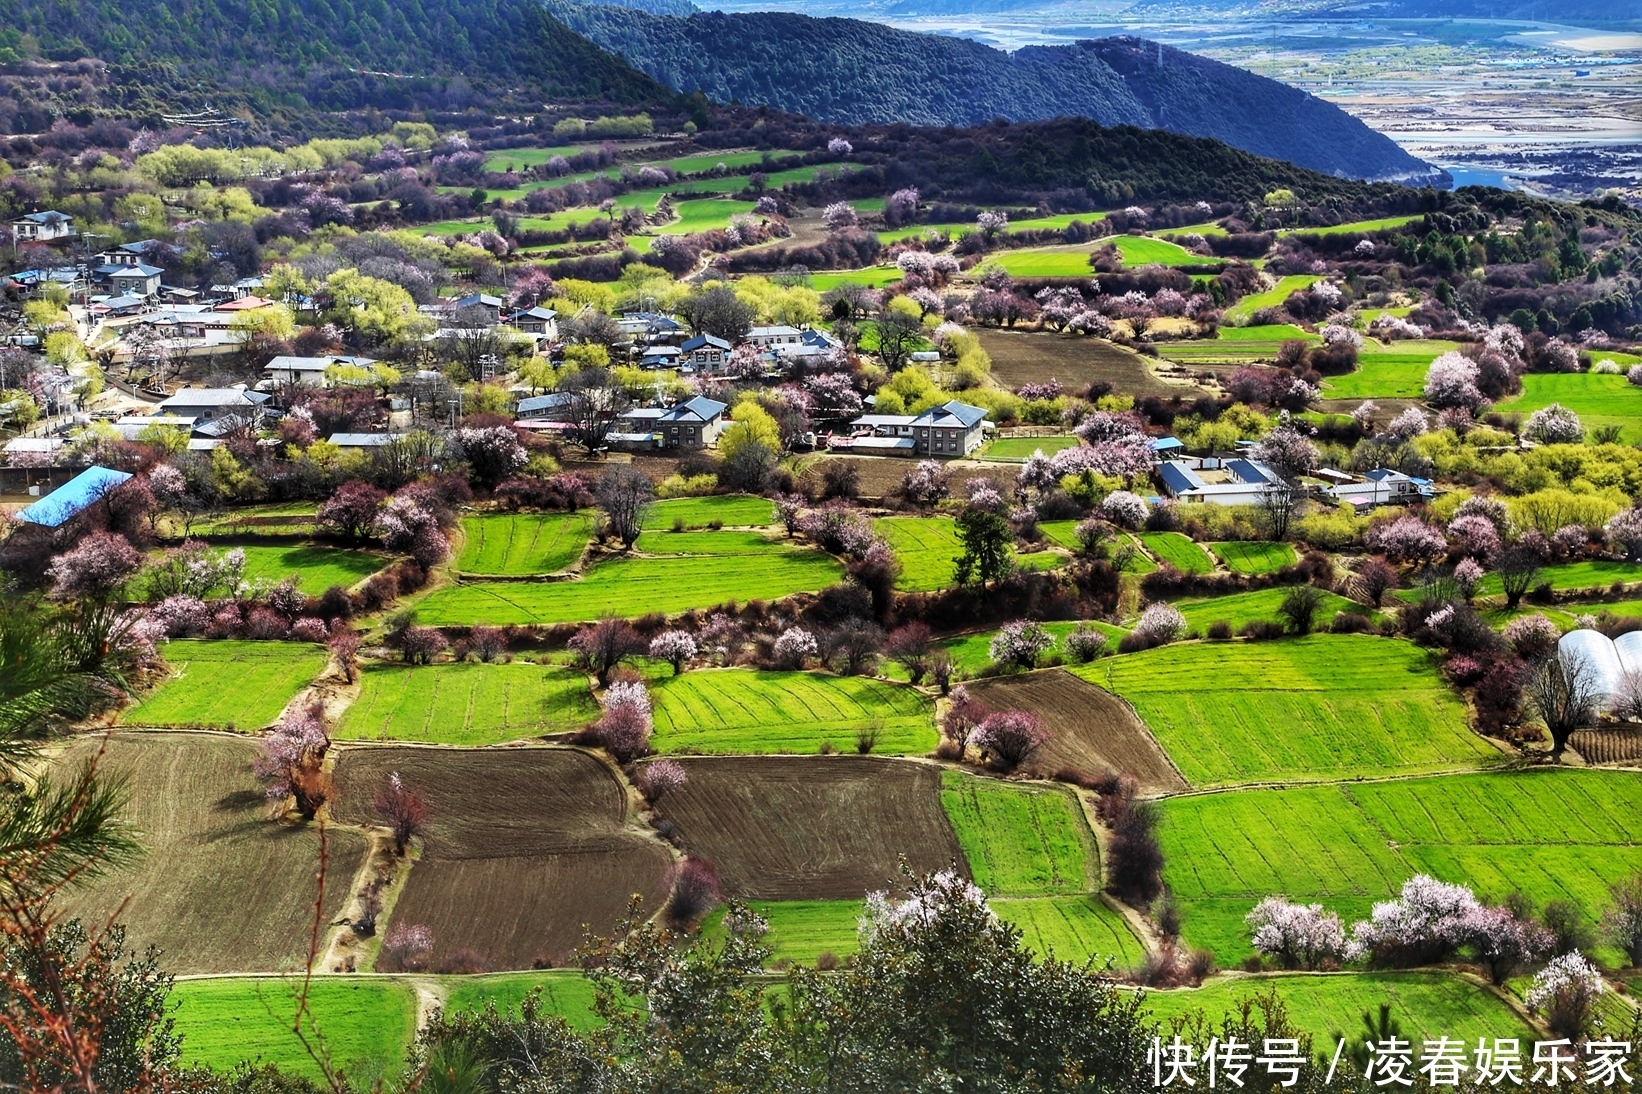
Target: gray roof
x=478 y=299
x=138 y=269
x=536 y=313
x=215 y=396
x=120 y=303
x=1252 y=472
x=50 y=216
x=952 y=414
x=361 y=440
x=701 y=340
x=287 y=363
x=701 y=409
x=544 y=402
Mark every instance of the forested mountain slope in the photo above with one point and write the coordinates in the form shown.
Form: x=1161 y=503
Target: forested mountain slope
x=284 y=45
x=847 y=70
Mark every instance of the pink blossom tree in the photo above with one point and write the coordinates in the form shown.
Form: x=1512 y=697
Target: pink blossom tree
x=350 y=511
x=1420 y=927
x=1624 y=531
x=1407 y=539
x=95 y=568
x=1554 y=424
x=1020 y=644
x=1474 y=536
x=1007 y=738
x=927 y=483
x=1467 y=575
x=840 y=215
x=1287 y=451
x=492 y=453
x=291 y=761
x=1564 y=993
x=1124 y=509
x=677 y=648
x=794 y=648
x=657 y=780
x=1300 y=936
x=1452 y=381
x=1161 y=622
x=1501 y=943
x=625 y=726
x=901 y=207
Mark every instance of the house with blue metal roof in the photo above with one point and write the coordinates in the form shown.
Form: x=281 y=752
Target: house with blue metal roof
x=73 y=497
x=1216 y=481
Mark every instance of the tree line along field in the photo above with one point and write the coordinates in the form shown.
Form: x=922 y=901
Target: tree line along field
x=517 y=544
x=220 y=888
x=928 y=549
x=1552 y=834
x=467 y=703
x=1323 y=707
x=227 y=684
x=632 y=587
x=748 y=711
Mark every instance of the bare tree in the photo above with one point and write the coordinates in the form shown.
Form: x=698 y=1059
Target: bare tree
x=1565 y=692
x=624 y=494
x=1277 y=510
x=1518 y=568
x=1627 y=698
x=596 y=401
x=469 y=338
x=599 y=648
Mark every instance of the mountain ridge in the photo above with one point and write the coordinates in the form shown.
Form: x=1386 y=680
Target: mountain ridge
x=854 y=71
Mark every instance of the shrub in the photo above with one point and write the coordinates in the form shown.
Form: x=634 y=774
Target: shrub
x=1084 y=644
x=1350 y=623
x=1161 y=623
x=1020 y=644
x=464 y=961
x=656 y=780
x=1008 y=737
x=1220 y=631
x=696 y=890
x=488 y=643
x=309 y=629
x=910 y=646
x=866 y=739
x=408 y=946
x=181 y=616
x=1134 y=857
x=1263 y=630
x=1300 y=606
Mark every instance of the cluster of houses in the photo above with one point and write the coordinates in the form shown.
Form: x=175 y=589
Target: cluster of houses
x=1241 y=480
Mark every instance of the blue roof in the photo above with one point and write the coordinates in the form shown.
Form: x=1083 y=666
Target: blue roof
x=1166 y=444
x=1248 y=471
x=1178 y=478
x=73 y=497
x=701 y=407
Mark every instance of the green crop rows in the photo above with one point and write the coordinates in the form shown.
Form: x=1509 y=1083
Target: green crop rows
x=742 y=710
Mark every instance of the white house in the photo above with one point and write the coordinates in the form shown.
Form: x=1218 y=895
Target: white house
x=541 y=322
x=40 y=227
x=309 y=371
x=692 y=424
x=1383 y=486
x=954 y=429
x=705 y=351
x=779 y=335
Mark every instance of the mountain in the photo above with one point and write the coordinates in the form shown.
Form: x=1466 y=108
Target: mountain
x=851 y=71
x=281 y=45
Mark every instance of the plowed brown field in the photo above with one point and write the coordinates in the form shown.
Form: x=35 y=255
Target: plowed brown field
x=1093 y=729
x=1608 y=746
x=809 y=828
x=220 y=887
x=1022 y=357
x=526 y=847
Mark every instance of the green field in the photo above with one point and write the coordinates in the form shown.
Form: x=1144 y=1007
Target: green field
x=703 y=215
x=708 y=543
x=281 y=518
x=1552 y=833
x=1261 y=604
x=928 y=549
x=1272 y=298
x=1020 y=448
x=733 y=510
x=1356 y=227
x=743 y=710
x=632 y=587
x=1598 y=400
x=565 y=992
x=1180 y=551
x=1072 y=928
x=360 y=1021
x=1064 y=532
x=1146 y=251
x=227 y=684
x=1395 y=372
x=1254 y=556
x=467 y=703
x=803 y=930
x=513 y=544
x=1276 y=333
x=1332 y=706
x=1562 y=576
x=1020 y=840
x=874 y=277
x=521 y=158
x=315 y=568
x=1427 y=1005
x=1057 y=261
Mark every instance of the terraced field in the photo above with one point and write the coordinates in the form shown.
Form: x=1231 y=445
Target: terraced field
x=1554 y=834
x=1260 y=604
x=466 y=704
x=1179 y=551
x=516 y=544
x=707 y=543
x=1254 y=556
x=1391 y=370
x=1598 y=400
x=928 y=549
x=731 y=510
x=1019 y=841
x=632 y=587
x=1324 y=707
x=227 y=684
x=1271 y=298
x=1427 y=1005
x=743 y=710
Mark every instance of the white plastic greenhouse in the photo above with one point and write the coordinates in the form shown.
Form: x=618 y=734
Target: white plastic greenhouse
x=1609 y=659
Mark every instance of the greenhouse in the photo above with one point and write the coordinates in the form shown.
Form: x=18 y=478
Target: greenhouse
x=1608 y=660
